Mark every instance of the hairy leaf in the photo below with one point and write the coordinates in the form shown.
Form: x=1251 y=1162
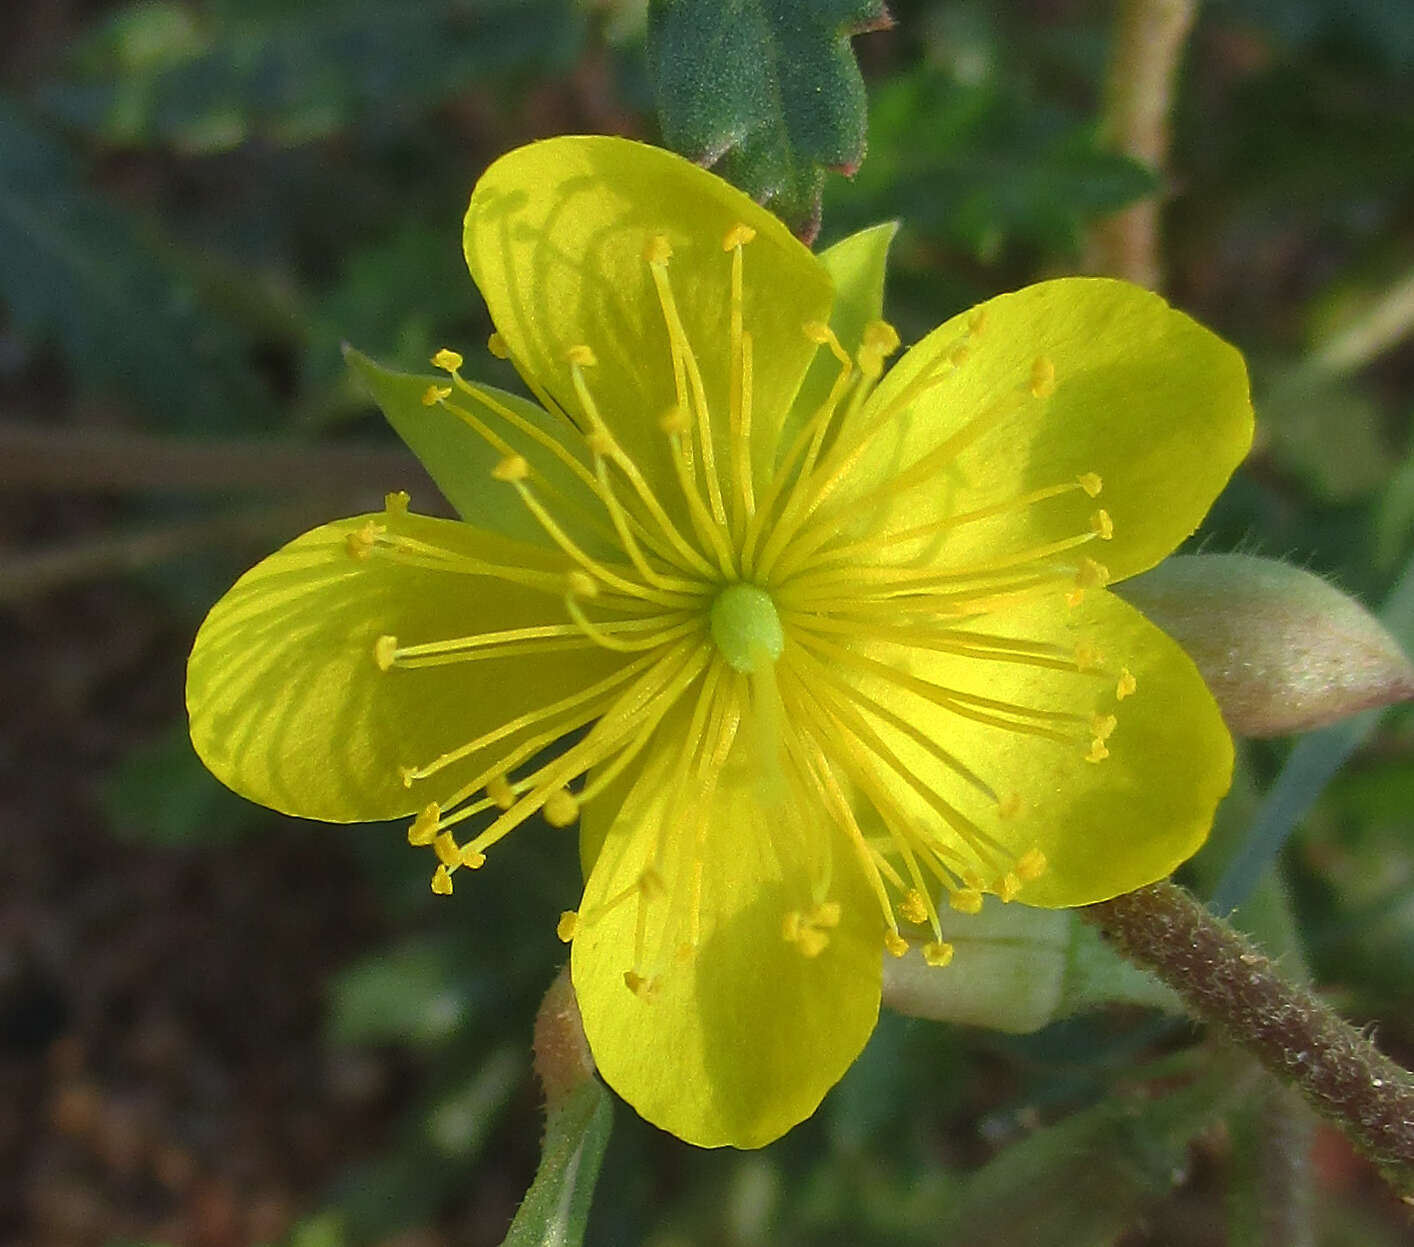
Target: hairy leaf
x=767 y=91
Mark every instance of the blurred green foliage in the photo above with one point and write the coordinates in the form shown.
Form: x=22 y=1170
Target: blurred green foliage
x=200 y=201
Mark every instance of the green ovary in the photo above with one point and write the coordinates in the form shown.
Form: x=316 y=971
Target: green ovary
x=746 y=628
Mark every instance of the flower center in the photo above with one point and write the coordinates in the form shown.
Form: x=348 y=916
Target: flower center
x=746 y=628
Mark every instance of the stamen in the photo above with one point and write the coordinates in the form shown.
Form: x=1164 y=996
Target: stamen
x=1127 y=684
x=685 y=366
x=1043 y=377
x=447 y=360
x=565 y=928
x=434 y=394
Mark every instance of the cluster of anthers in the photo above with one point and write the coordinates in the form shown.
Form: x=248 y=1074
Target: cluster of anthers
x=757 y=602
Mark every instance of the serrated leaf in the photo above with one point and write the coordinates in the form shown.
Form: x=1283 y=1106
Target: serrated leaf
x=556 y=1208
x=154 y=75
x=767 y=91
x=76 y=268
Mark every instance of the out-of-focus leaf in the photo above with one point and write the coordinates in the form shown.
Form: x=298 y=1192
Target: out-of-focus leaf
x=156 y=75
x=556 y=1208
x=75 y=268
x=767 y=91
x=1324 y=430
x=407 y=994
x=161 y=794
x=983 y=164
x=1086 y=1180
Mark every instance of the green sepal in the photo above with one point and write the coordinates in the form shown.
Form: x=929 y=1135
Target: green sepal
x=857 y=266
x=459 y=459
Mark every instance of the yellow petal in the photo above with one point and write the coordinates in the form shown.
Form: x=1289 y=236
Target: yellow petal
x=1104 y=826
x=289 y=705
x=1080 y=377
x=736 y=1040
x=556 y=236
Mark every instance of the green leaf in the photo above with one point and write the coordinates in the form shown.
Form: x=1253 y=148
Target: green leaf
x=154 y=75
x=767 y=91
x=76 y=269
x=556 y=1208
x=984 y=164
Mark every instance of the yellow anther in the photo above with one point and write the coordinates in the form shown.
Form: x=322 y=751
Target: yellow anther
x=423 y=829
x=581 y=584
x=564 y=929
x=434 y=394
x=966 y=900
x=472 y=859
x=582 y=356
x=361 y=541
x=978 y=322
x=1103 y=725
x=1030 y=865
x=1091 y=483
x=1101 y=525
x=448 y=851
x=1127 y=684
x=644 y=988
x=936 y=953
x=1007 y=887
x=1091 y=575
x=1009 y=806
x=817 y=331
x=408 y=774
x=1087 y=657
x=385 y=651
x=658 y=250
x=738 y=236
x=561 y=808
x=497 y=346
x=1098 y=752
x=895 y=943
x=790 y=926
x=811 y=941
x=913 y=908
x=880 y=336
x=826 y=914
x=442 y=881
x=675 y=420
x=1043 y=377
x=499 y=789
x=510 y=469
x=396 y=504
x=446 y=359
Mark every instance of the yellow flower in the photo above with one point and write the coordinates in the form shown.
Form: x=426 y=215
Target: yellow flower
x=834 y=637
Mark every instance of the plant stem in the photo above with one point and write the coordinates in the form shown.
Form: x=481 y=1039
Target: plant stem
x=1148 y=42
x=1224 y=979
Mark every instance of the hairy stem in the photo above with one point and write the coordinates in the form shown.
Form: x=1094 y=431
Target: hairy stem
x=1224 y=979
x=1148 y=42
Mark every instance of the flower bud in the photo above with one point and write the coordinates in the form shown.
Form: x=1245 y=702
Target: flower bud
x=1017 y=969
x=1281 y=649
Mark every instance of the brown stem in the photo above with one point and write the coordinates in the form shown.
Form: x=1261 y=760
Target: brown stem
x=1149 y=39
x=1226 y=980
x=36 y=457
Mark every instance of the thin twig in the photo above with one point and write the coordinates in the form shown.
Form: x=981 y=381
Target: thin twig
x=1224 y=979
x=1149 y=39
x=38 y=457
